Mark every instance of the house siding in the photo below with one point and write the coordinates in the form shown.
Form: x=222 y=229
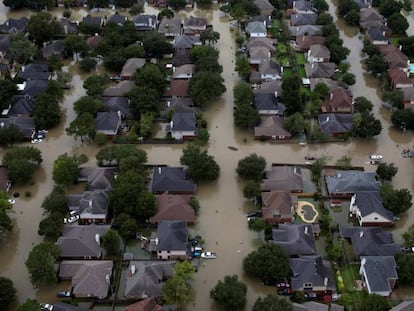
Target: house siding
x=165 y=255
x=183 y=134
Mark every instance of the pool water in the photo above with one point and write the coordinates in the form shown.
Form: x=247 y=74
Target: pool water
x=412 y=68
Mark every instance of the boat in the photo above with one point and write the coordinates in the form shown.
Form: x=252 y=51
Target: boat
x=375 y=157
x=208 y=255
x=232 y=148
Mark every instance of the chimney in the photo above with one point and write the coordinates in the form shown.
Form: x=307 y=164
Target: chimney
x=156 y=241
x=313 y=65
x=306 y=230
x=363 y=261
x=327 y=119
x=119 y=114
x=159 y=170
x=276 y=94
x=90 y=203
x=108 y=279
x=383 y=33
x=1 y=124
x=133 y=269
x=168 y=104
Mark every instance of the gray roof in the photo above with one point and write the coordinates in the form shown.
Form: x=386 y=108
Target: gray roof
x=331 y=84
x=369 y=202
x=170 y=25
x=182 y=121
x=120 y=89
x=92 y=20
x=351 y=182
x=261 y=42
x=303 y=19
x=186 y=42
x=376 y=34
x=172 y=235
x=370 y=14
x=187 y=70
x=171 y=179
x=107 y=121
x=67 y=26
x=319 y=50
x=80 y=241
x=271 y=87
x=179 y=104
x=295 y=239
x=145 y=22
x=88 y=276
x=408 y=93
x=14 y=25
x=271 y=126
x=98 y=177
x=265 y=101
x=283 y=178
x=379 y=271
x=117 y=103
x=256 y=27
x=22 y=105
x=131 y=66
x=181 y=57
x=308 y=269
x=62 y=306
x=301 y=30
x=263 y=5
x=90 y=204
x=117 y=19
x=320 y=70
x=5 y=45
x=193 y=21
x=57 y=48
x=407 y=305
x=370 y=241
x=26 y=125
x=310 y=306
x=35 y=87
x=148 y=279
x=35 y=71
x=303 y=5
x=268 y=67
x=335 y=123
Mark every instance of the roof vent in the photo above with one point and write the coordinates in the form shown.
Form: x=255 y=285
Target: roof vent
x=361 y=234
x=306 y=230
x=98 y=239
x=159 y=170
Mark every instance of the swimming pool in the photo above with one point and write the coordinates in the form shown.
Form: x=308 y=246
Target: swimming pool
x=412 y=68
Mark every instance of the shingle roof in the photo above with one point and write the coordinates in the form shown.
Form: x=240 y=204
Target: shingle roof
x=393 y=56
x=131 y=66
x=268 y=67
x=270 y=126
x=14 y=25
x=287 y=178
x=303 y=19
x=369 y=14
x=305 y=42
x=120 y=89
x=303 y=5
x=62 y=306
x=26 y=125
x=261 y=42
x=295 y=239
x=271 y=87
x=335 y=123
x=193 y=21
x=397 y=76
x=256 y=27
x=57 y=47
x=170 y=25
x=172 y=235
x=277 y=204
x=369 y=202
x=22 y=105
x=148 y=304
x=379 y=271
x=320 y=70
x=263 y=5
x=186 y=42
x=319 y=51
x=308 y=269
x=302 y=30
x=263 y=101
x=117 y=19
x=338 y=99
x=35 y=87
x=117 y=103
x=376 y=34
x=107 y=121
x=178 y=87
x=181 y=57
x=171 y=179
x=174 y=207
x=351 y=182
x=407 y=305
x=331 y=84
x=182 y=121
x=93 y=20
x=179 y=104
x=98 y=177
x=310 y=306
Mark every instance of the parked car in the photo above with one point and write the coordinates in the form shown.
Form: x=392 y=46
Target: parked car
x=71 y=219
x=46 y=307
x=254 y=214
x=11 y=201
x=63 y=294
x=310 y=296
x=284 y=291
x=407 y=249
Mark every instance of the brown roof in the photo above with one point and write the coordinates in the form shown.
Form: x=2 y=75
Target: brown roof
x=338 y=99
x=393 y=56
x=174 y=207
x=148 y=304
x=4 y=179
x=120 y=89
x=398 y=76
x=304 y=42
x=178 y=88
x=286 y=178
x=277 y=204
x=271 y=126
x=93 y=41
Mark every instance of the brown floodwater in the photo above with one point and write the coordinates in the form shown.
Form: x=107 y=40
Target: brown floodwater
x=222 y=220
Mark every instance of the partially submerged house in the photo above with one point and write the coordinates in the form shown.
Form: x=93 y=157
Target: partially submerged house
x=92 y=206
x=171 y=241
x=267 y=104
x=287 y=178
x=271 y=127
x=346 y=183
x=339 y=100
x=278 y=207
x=309 y=274
x=108 y=123
x=295 y=239
x=336 y=123
x=172 y=207
x=182 y=126
x=172 y=180
x=379 y=274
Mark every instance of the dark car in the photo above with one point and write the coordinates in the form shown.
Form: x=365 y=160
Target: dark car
x=63 y=294
x=407 y=249
x=254 y=214
x=270 y=281
x=311 y=296
x=284 y=291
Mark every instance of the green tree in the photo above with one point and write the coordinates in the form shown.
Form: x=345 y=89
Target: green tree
x=8 y=89
x=111 y=241
x=56 y=201
x=87 y=64
x=408 y=236
x=204 y=3
x=407 y=46
x=133 y=163
x=7 y=292
x=375 y=302
x=352 y=18
x=376 y=64
x=156 y=45
x=54 y=63
x=151 y=76
x=295 y=123
x=348 y=78
x=15 y=4
x=43 y=26
x=209 y=35
x=397 y=23
x=269 y=260
x=41 y=263
x=176 y=4
x=22 y=49
x=201 y=166
x=47 y=112
x=88 y=104
x=51 y=226
x=403 y=119
x=389 y=7
x=126 y=226
x=243 y=93
x=146 y=124
x=346 y=6
x=125 y=3
x=362 y=105
x=177 y=289
x=397 y=201
x=344 y=162
x=386 y=171
x=95 y=84
x=405 y=263
x=246 y=116
x=257 y=224
x=320 y=5
x=251 y=190
x=291 y=98
x=238 y=13
x=144 y=100
x=368 y=127
x=272 y=303
x=324 y=19
x=75 y=44
x=166 y=12
x=243 y=67
x=83 y=125
x=251 y=167
x=112 y=155
x=66 y=169
x=205 y=86
x=22 y=163
x=229 y=294
x=30 y=305
x=202 y=137
x=9 y=135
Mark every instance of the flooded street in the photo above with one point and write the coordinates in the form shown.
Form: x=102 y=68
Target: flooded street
x=222 y=221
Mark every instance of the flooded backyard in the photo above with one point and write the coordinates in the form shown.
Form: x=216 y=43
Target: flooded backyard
x=222 y=221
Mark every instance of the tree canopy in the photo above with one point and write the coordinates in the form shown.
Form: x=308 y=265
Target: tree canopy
x=47 y=112
x=66 y=169
x=206 y=86
x=43 y=26
x=272 y=303
x=7 y=292
x=88 y=104
x=95 y=84
x=30 y=305
x=292 y=98
x=386 y=171
x=22 y=163
x=397 y=201
x=111 y=241
x=177 y=289
x=251 y=167
x=229 y=294
x=41 y=263
x=112 y=155
x=201 y=166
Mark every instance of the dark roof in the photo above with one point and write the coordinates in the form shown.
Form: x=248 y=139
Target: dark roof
x=5 y=43
x=181 y=57
x=283 y=178
x=370 y=14
x=5 y=182
x=370 y=241
x=303 y=5
x=26 y=125
x=320 y=70
x=117 y=19
x=277 y=204
x=271 y=87
x=185 y=42
x=335 y=123
x=295 y=239
x=22 y=105
x=302 y=30
x=256 y=27
x=351 y=182
x=171 y=179
x=148 y=304
x=90 y=204
x=305 y=42
x=172 y=235
x=379 y=271
x=92 y=20
x=179 y=104
x=369 y=202
x=265 y=101
x=308 y=269
x=407 y=305
x=63 y=306
x=271 y=126
x=36 y=67
x=178 y=87
x=261 y=42
x=170 y=25
x=193 y=21
x=311 y=306
x=107 y=121
x=174 y=207
x=263 y=5
x=14 y=25
x=98 y=177
x=35 y=87
x=145 y=22
x=267 y=67
x=331 y=84
x=182 y=121
x=376 y=34
x=115 y=104
x=120 y=89
x=68 y=26
x=34 y=75
x=303 y=19
x=57 y=48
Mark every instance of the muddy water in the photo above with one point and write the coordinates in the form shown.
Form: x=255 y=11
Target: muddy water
x=222 y=220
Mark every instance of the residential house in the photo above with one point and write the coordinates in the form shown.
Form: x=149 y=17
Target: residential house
x=32 y=88
x=178 y=104
x=68 y=27
x=347 y=183
x=174 y=207
x=267 y=104
x=184 y=71
x=369 y=17
x=363 y=3
x=26 y=125
x=370 y=241
x=98 y=178
x=178 y=88
x=367 y=207
x=120 y=89
x=305 y=30
x=408 y=97
x=259 y=54
x=115 y=104
x=303 y=7
x=379 y=274
x=339 y=101
x=316 y=306
x=81 y=242
x=148 y=304
x=172 y=180
x=309 y=274
x=295 y=239
x=320 y=70
x=195 y=24
x=34 y=71
x=318 y=53
x=63 y=306
x=261 y=42
x=278 y=207
x=130 y=67
x=22 y=106
x=93 y=20
x=186 y=42
x=303 y=19
x=304 y=42
x=406 y=305
x=5 y=45
x=399 y=79
x=288 y=178
x=56 y=48
x=92 y=206
x=394 y=57
x=108 y=123
x=146 y=278
x=170 y=27
x=331 y=84
x=265 y=8
x=90 y=278
x=5 y=182
x=258 y=18
x=335 y=123
x=376 y=36
x=270 y=71
x=272 y=87
x=172 y=240
x=117 y=19
x=13 y=26
x=271 y=127
x=182 y=126
x=145 y=22
x=256 y=29
x=181 y=57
